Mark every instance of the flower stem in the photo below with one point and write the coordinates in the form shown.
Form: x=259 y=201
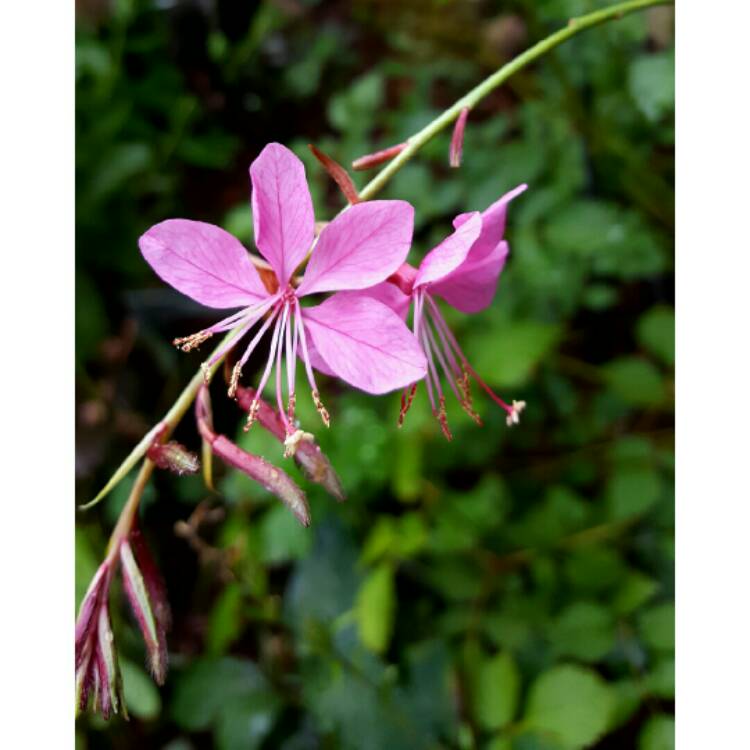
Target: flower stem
x=165 y=427
x=574 y=26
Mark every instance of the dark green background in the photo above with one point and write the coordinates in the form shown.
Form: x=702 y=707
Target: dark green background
x=511 y=589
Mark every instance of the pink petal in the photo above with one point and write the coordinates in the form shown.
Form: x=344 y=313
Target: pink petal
x=365 y=343
x=493 y=223
x=471 y=287
x=202 y=261
x=282 y=209
x=451 y=252
x=387 y=293
x=361 y=247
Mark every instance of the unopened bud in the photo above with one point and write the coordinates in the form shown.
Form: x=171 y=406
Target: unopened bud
x=378 y=157
x=339 y=175
x=457 y=141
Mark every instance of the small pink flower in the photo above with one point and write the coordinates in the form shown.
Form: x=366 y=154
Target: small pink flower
x=462 y=270
x=359 y=340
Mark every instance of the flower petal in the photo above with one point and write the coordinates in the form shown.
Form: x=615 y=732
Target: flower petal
x=471 y=287
x=202 y=261
x=282 y=209
x=387 y=293
x=365 y=343
x=493 y=223
x=361 y=247
x=451 y=252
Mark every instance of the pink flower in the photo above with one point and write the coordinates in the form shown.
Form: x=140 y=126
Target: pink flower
x=462 y=270
x=360 y=340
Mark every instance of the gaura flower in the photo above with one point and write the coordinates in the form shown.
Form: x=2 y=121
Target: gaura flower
x=360 y=340
x=462 y=270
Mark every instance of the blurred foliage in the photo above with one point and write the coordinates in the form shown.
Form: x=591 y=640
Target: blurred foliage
x=509 y=590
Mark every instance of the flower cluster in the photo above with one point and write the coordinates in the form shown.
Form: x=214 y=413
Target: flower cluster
x=359 y=333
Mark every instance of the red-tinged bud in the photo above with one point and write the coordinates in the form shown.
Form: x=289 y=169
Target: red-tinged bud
x=378 y=157
x=174 y=457
x=144 y=609
x=269 y=476
x=457 y=141
x=338 y=174
x=98 y=677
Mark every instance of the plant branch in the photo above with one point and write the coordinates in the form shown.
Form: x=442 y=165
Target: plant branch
x=575 y=26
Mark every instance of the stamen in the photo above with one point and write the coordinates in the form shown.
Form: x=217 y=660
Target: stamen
x=254 y=407
x=279 y=352
x=252 y=414
x=321 y=409
x=443 y=419
x=234 y=381
x=407 y=396
x=291 y=404
x=308 y=368
x=438 y=318
x=188 y=343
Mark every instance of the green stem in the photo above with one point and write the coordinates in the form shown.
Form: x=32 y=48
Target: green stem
x=575 y=25
x=165 y=427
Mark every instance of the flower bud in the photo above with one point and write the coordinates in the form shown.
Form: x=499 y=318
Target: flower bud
x=98 y=677
x=457 y=141
x=339 y=175
x=378 y=157
x=145 y=592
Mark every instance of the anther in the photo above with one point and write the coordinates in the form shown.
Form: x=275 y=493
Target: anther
x=187 y=343
x=442 y=418
x=321 y=409
x=290 y=407
x=406 y=398
x=234 y=381
x=252 y=414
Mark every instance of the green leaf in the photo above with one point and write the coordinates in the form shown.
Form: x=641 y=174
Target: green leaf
x=584 y=631
x=376 y=608
x=635 y=591
x=571 y=703
x=660 y=680
x=507 y=355
x=656 y=333
x=657 y=627
x=636 y=381
x=201 y=691
x=631 y=491
x=495 y=691
x=657 y=734
x=225 y=620
x=651 y=84
x=282 y=537
x=141 y=694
